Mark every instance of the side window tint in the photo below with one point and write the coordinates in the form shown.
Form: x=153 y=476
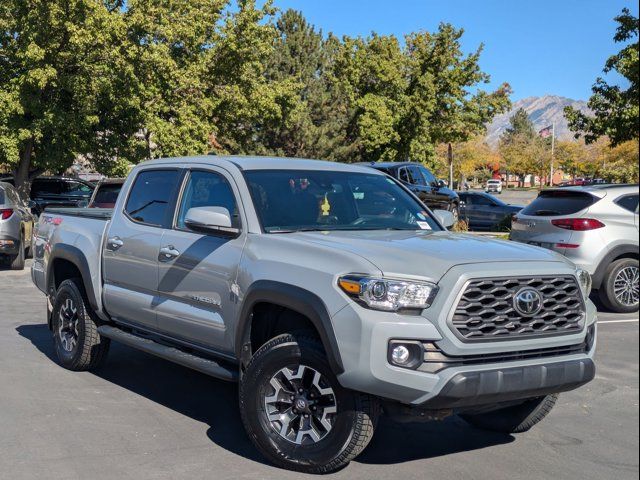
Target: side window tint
x=403 y=175
x=150 y=195
x=629 y=202
x=208 y=189
x=429 y=177
x=45 y=187
x=417 y=176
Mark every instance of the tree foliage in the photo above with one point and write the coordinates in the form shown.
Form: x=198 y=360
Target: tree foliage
x=615 y=110
x=523 y=151
x=114 y=82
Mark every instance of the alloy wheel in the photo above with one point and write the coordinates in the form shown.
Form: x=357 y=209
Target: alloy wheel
x=68 y=325
x=625 y=286
x=301 y=405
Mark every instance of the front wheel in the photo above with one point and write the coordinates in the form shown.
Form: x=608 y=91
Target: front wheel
x=77 y=343
x=295 y=411
x=516 y=419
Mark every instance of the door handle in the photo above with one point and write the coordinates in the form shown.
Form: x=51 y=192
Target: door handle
x=168 y=253
x=114 y=243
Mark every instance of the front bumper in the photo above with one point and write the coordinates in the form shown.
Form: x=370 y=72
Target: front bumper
x=513 y=369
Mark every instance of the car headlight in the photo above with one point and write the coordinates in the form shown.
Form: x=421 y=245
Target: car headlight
x=388 y=294
x=584 y=279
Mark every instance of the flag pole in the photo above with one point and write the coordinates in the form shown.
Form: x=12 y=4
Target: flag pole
x=553 y=142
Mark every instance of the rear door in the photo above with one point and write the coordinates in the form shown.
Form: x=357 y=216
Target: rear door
x=130 y=253
x=196 y=291
x=534 y=223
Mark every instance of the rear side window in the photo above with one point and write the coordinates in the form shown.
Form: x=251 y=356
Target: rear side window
x=552 y=203
x=629 y=202
x=150 y=196
x=45 y=187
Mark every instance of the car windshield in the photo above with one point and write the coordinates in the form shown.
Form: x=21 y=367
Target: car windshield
x=307 y=200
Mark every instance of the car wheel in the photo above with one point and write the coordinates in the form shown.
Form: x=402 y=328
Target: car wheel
x=295 y=411
x=16 y=262
x=516 y=419
x=619 y=289
x=77 y=343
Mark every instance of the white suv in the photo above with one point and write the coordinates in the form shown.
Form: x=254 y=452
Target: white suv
x=596 y=227
x=493 y=186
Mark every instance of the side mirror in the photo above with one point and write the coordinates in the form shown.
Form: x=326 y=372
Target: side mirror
x=215 y=220
x=441 y=184
x=445 y=218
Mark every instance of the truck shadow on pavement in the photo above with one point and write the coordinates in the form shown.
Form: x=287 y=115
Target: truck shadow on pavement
x=215 y=403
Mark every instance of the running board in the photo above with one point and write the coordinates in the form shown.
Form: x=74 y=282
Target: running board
x=173 y=354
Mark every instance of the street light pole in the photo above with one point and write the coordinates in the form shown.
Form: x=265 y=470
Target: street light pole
x=553 y=144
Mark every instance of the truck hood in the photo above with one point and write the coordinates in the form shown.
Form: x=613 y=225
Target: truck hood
x=427 y=255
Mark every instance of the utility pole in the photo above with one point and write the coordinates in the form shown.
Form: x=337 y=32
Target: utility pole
x=450 y=157
x=553 y=144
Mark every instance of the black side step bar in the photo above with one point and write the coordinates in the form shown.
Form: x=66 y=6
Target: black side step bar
x=200 y=364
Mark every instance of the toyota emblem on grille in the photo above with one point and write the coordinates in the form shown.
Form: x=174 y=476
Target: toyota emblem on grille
x=527 y=301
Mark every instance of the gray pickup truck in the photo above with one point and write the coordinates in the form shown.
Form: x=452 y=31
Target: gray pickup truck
x=329 y=292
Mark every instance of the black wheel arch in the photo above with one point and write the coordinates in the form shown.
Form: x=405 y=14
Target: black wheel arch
x=620 y=251
x=77 y=258
x=294 y=298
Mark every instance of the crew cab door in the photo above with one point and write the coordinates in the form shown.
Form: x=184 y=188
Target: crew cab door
x=130 y=252
x=197 y=272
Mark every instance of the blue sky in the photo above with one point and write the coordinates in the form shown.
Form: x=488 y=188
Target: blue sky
x=540 y=47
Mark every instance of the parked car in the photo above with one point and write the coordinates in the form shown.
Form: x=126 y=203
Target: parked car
x=596 y=227
x=482 y=211
x=493 y=185
x=57 y=192
x=326 y=290
x=16 y=227
x=106 y=193
x=433 y=192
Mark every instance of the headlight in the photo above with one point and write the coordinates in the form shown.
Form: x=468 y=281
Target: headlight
x=387 y=294
x=584 y=279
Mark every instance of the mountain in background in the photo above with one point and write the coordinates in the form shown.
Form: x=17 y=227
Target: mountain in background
x=543 y=111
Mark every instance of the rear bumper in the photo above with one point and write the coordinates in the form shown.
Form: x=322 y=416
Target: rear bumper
x=472 y=389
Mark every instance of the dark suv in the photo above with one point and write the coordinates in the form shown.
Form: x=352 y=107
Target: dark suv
x=423 y=183
x=58 y=192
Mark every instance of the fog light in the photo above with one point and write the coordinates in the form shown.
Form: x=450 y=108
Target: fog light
x=400 y=355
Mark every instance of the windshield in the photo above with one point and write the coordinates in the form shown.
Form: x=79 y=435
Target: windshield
x=304 y=200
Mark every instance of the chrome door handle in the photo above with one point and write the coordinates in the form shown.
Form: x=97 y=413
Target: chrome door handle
x=168 y=253
x=114 y=243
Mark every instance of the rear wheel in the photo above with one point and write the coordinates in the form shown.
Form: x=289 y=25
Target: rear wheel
x=295 y=411
x=77 y=343
x=619 y=290
x=16 y=262
x=516 y=419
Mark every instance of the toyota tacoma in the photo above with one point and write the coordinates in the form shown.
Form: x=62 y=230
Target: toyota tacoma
x=329 y=292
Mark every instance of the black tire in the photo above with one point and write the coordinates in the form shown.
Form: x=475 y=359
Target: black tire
x=606 y=291
x=516 y=419
x=16 y=262
x=353 y=424
x=89 y=350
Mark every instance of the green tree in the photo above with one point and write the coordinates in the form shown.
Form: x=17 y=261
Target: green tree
x=65 y=85
x=524 y=153
x=615 y=110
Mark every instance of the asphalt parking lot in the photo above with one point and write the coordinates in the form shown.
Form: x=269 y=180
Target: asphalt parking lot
x=141 y=417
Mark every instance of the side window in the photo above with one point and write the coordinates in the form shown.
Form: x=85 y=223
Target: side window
x=429 y=177
x=418 y=179
x=150 y=195
x=481 y=200
x=76 y=188
x=403 y=175
x=207 y=189
x=629 y=202
x=45 y=187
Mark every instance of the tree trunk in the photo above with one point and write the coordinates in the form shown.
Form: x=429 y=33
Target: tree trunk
x=21 y=178
x=450 y=157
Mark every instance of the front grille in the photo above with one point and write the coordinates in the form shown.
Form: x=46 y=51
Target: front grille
x=486 y=309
